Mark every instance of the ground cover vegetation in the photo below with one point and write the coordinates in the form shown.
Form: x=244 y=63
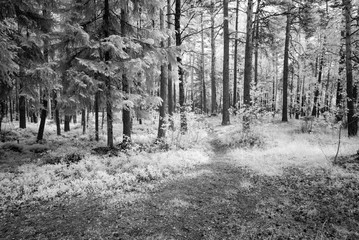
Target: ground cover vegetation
x=179 y=119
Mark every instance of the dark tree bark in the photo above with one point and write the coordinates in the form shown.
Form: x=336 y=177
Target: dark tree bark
x=43 y=115
x=67 y=123
x=180 y=70
x=248 y=63
x=339 y=96
x=126 y=110
x=10 y=109
x=57 y=114
x=286 y=67
x=225 y=112
x=352 y=120
x=213 y=62
x=315 y=111
x=235 y=59
x=202 y=68
x=83 y=120
x=170 y=82
x=161 y=134
x=22 y=106
x=96 y=109
x=106 y=28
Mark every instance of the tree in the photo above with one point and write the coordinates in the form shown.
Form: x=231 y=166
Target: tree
x=180 y=69
x=225 y=109
x=286 y=66
x=213 y=62
x=248 y=62
x=352 y=120
x=163 y=90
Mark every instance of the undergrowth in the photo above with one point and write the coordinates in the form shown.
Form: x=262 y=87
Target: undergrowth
x=92 y=175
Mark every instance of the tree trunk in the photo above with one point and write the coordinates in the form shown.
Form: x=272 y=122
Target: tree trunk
x=57 y=114
x=352 y=119
x=202 y=68
x=40 y=133
x=106 y=28
x=286 y=68
x=43 y=116
x=339 y=96
x=126 y=110
x=170 y=82
x=235 y=70
x=213 y=62
x=248 y=63
x=316 y=106
x=161 y=134
x=22 y=106
x=67 y=123
x=83 y=120
x=10 y=109
x=180 y=70
x=225 y=109
x=96 y=109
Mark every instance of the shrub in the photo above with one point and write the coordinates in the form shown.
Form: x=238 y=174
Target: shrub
x=13 y=147
x=239 y=139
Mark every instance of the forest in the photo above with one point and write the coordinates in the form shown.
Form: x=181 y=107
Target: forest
x=179 y=119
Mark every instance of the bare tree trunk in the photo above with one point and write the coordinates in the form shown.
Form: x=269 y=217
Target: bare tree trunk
x=180 y=70
x=96 y=109
x=213 y=63
x=225 y=112
x=248 y=64
x=235 y=60
x=286 y=68
x=83 y=120
x=109 y=115
x=67 y=123
x=352 y=119
x=126 y=111
x=315 y=111
x=163 y=91
x=202 y=68
x=170 y=82
x=40 y=133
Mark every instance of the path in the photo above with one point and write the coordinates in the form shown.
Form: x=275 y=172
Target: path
x=214 y=201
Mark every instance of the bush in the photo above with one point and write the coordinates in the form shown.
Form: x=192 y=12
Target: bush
x=240 y=139
x=13 y=147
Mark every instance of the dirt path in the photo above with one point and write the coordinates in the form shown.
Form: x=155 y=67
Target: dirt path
x=214 y=201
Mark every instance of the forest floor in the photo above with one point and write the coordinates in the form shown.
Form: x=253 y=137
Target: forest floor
x=272 y=183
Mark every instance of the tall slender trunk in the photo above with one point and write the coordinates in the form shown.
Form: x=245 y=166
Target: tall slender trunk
x=10 y=108
x=256 y=44
x=213 y=62
x=57 y=114
x=286 y=67
x=248 y=56
x=126 y=110
x=235 y=67
x=184 y=127
x=109 y=114
x=83 y=120
x=163 y=90
x=96 y=109
x=339 y=96
x=315 y=111
x=352 y=119
x=170 y=82
x=202 y=67
x=43 y=115
x=67 y=123
x=248 y=64
x=226 y=96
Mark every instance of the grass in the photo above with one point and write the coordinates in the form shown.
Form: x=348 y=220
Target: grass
x=274 y=183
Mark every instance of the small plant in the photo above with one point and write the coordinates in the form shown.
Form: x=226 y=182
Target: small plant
x=307 y=124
